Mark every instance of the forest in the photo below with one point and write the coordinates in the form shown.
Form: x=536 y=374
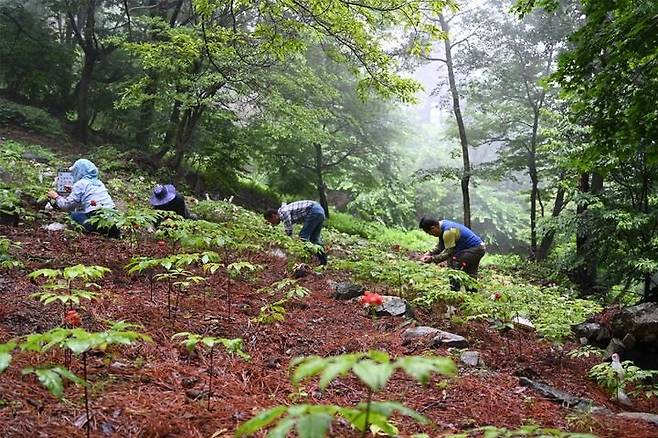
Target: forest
x=527 y=126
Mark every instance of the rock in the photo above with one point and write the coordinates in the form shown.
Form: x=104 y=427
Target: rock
x=195 y=394
x=189 y=382
x=586 y=330
x=27 y=155
x=615 y=346
x=347 y=291
x=566 y=399
x=301 y=270
x=524 y=323
x=415 y=333
x=637 y=326
x=471 y=358
x=393 y=306
x=55 y=226
x=278 y=253
x=447 y=339
x=644 y=416
x=641 y=321
x=583 y=341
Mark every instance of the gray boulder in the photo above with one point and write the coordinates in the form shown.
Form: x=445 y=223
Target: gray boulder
x=393 y=306
x=641 y=321
x=27 y=155
x=347 y=291
x=643 y=416
x=471 y=359
x=586 y=330
x=447 y=339
x=412 y=334
x=562 y=397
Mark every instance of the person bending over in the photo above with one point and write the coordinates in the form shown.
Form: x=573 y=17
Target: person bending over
x=461 y=247
x=310 y=213
x=166 y=197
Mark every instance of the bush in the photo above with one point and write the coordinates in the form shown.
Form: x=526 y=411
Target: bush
x=415 y=240
x=31 y=118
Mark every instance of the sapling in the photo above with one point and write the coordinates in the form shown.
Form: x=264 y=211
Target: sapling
x=237 y=270
x=373 y=369
x=79 y=342
x=170 y=277
x=233 y=346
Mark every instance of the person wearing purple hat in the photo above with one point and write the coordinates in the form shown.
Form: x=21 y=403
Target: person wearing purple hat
x=165 y=197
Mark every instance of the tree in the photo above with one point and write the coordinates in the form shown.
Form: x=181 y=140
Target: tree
x=513 y=59
x=317 y=128
x=219 y=58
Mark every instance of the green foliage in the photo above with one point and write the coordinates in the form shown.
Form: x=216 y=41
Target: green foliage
x=530 y=431
x=373 y=369
x=27 y=182
x=63 y=280
x=289 y=287
x=271 y=312
x=606 y=376
x=76 y=340
x=28 y=117
x=415 y=240
x=51 y=378
x=233 y=346
x=585 y=351
x=7 y=261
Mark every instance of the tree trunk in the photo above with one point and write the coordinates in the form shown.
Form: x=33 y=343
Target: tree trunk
x=321 y=186
x=466 y=171
x=587 y=257
x=547 y=238
x=534 y=193
x=82 y=101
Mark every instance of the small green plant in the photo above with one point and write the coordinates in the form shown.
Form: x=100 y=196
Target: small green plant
x=7 y=261
x=290 y=288
x=585 y=351
x=529 y=431
x=233 y=346
x=373 y=369
x=615 y=381
x=10 y=203
x=238 y=270
x=271 y=312
x=133 y=222
x=60 y=285
x=76 y=340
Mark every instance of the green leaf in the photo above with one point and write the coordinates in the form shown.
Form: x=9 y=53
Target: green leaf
x=338 y=367
x=5 y=360
x=314 y=425
x=308 y=367
x=373 y=374
x=260 y=421
x=421 y=367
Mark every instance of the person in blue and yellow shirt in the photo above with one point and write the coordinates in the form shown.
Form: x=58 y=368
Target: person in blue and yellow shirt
x=461 y=247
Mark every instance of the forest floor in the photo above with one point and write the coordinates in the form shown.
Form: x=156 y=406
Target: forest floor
x=158 y=390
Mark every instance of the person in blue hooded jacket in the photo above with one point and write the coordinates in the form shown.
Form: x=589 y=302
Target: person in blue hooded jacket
x=88 y=196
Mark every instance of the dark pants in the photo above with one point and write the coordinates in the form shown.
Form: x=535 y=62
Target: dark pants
x=313 y=223
x=82 y=219
x=467 y=260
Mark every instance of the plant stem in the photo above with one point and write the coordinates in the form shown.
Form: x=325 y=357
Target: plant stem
x=169 y=299
x=151 y=286
x=228 y=298
x=84 y=367
x=367 y=420
x=212 y=349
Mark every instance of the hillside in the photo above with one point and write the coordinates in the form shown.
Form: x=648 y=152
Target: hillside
x=236 y=280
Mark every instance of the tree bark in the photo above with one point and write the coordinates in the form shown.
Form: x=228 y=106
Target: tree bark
x=587 y=257
x=321 y=186
x=456 y=108
x=547 y=238
x=87 y=43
